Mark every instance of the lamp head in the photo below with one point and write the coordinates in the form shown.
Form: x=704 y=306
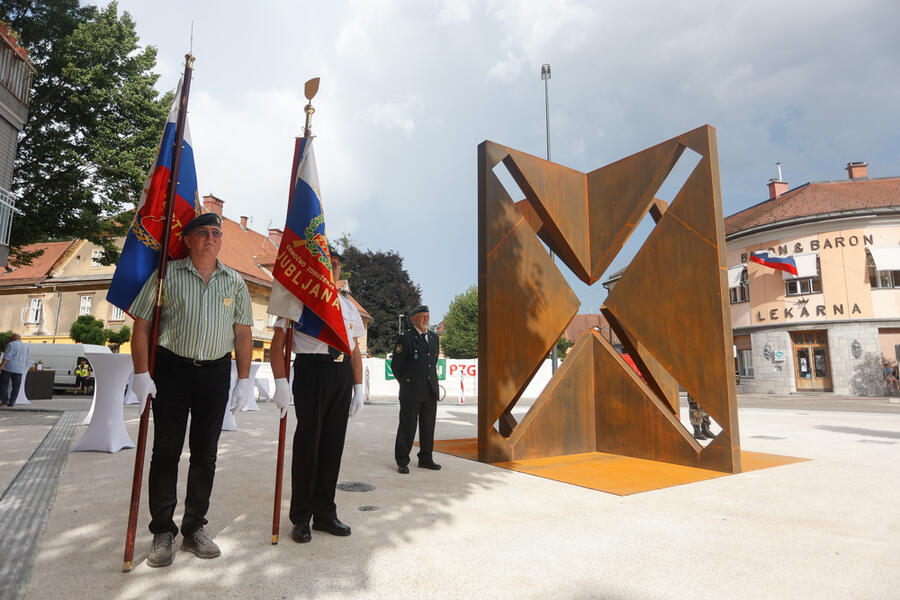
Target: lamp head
x=545 y=71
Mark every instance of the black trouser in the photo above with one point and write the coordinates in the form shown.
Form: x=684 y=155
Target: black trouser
x=425 y=414
x=202 y=391
x=12 y=394
x=322 y=391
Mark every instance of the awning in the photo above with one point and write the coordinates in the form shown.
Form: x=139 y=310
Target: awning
x=887 y=258
x=806 y=266
x=734 y=275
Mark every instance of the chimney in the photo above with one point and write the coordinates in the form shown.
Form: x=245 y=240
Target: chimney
x=275 y=236
x=213 y=204
x=777 y=188
x=244 y=223
x=858 y=170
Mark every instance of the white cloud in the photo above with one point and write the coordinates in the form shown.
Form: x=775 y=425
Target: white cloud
x=397 y=114
x=410 y=88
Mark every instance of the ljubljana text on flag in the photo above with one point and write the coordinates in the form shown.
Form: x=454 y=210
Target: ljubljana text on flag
x=304 y=289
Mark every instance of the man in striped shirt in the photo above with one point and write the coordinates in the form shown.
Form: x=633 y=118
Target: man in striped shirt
x=205 y=315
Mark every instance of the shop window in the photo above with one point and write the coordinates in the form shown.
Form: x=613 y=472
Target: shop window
x=745 y=363
x=881 y=279
x=741 y=292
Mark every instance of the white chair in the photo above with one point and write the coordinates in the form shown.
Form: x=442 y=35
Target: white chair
x=106 y=432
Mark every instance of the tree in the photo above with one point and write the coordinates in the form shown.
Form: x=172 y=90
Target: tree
x=5 y=337
x=88 y=330
x=94 y=123
x=460 y=338
x=562 y=347
x=385 y=290
x=117 y=338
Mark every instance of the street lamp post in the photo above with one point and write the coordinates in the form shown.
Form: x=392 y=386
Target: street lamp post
x=400 y=324
x=545 y=76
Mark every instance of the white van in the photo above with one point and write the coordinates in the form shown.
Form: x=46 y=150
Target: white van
x=62 y=358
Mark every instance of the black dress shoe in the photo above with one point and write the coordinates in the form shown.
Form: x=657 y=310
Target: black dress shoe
x=403 y=469
x=332 y=526
x=430 y=465
x=301 y=533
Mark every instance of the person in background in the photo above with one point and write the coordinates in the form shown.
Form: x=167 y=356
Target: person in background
x=415 y=367
x=12 y=367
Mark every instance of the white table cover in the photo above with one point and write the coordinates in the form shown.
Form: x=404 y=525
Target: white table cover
x=106 y=432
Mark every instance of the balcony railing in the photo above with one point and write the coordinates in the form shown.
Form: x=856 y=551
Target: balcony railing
x=7 y=208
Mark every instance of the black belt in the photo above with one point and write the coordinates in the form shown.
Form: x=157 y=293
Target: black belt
x=194 y=361
x=322 y=357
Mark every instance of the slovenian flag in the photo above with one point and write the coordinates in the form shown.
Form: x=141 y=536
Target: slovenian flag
x=140 y=254
x=786 y=264
x=304 y=290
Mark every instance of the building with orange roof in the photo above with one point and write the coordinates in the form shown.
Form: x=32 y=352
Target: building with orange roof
x=832 y=327
x=41 y=301
x=835 y=325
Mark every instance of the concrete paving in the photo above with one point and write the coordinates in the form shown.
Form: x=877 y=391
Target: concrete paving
x=827 y=528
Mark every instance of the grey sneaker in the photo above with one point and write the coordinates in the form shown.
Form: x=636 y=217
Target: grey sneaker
x=200 y=544
x=162 y=553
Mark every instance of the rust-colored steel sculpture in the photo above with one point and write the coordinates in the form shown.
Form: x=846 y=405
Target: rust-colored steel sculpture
x=669 y=308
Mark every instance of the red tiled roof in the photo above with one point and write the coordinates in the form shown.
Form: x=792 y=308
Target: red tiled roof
x=581 y=323
x=41 y=266
x=242 y=249
x=819 y=198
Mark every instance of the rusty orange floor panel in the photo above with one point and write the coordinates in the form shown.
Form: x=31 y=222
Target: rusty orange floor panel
x=611 y=473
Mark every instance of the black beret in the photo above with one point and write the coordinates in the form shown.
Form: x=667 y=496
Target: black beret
x=204 y=220
x=418 y=309
x=335 y=254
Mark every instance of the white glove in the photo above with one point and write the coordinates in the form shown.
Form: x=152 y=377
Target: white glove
x=282 y=396
x=240 y=396
x=356 y=402
x=142 y=387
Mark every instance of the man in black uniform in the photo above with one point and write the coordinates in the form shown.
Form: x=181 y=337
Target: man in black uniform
x=415 y=367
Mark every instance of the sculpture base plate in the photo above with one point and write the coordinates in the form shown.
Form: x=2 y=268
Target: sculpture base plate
x=612 y=473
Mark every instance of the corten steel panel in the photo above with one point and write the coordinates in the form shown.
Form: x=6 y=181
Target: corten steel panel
x=630 y=418
x=524 y=304
x=671 y=301
x=680 y=316
x=619 y=195
x=561 y=420
x=559 y=197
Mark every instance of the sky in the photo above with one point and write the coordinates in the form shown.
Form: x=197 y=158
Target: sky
x=409 y=88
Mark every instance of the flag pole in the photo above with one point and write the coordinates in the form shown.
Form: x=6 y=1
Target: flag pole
x=312 y=86
x=157 y=310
